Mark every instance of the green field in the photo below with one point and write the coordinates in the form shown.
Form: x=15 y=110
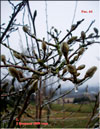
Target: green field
x=72 y=116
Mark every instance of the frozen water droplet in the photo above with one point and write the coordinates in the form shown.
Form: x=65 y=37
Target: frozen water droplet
x=76 y=88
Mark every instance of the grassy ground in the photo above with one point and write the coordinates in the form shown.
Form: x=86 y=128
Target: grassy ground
x=69 y=117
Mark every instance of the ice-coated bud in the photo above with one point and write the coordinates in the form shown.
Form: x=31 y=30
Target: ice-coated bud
x=73 y=27
x=71 y=69
x=76 y=58
x=90 y=72
x=18 y=56
x=96 y=30
x=35 y=14
x=65 y=49
x=90 y=35
x=44 y=45
x=35 y=76
x=3 y=59
x=83 y=35
x=13 y=72
x=81 y=67
x=64 y=71
x=25 y=28
x=81 y=51
x=20 y=74
x=72 y=39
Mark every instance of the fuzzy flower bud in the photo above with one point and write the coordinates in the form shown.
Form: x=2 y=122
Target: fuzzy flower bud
x=13 y=72
x=65 y=49
x=44 y=45
x=25 y=28
x=71 y=69
x=76 y=58
x=90 y=72
x=20 y=73
x=18 y=56
x=81 y=67
x=83 y=35
x=72 y=39
x=64 y=71
x=81 y=51
x=3 y=59
x=35 y=76
x=73 y=27
x=96 y=30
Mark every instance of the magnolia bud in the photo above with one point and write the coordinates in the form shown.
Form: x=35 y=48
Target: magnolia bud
x=71 y=69
x=35 y=76
x=81 y=51
x=90 y=35
x=20 y=73
x=73 y=27
x=26 y=28
x=44 y=45
x=13 y=72
x=90 y=72
x=72 y=39
x=83 y=35
x=3 y=59
x=96 y=30
x=64 y=71
x=65 y=49
x=76 y=58
x=81 y=67
x=18 y=56
x=35 y=14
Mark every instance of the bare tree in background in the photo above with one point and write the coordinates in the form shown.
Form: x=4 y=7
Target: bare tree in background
x=42 y=61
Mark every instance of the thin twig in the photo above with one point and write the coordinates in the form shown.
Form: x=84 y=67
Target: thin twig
x=89 y=26
x=13 y=16
x=78 y=23
x=74 y=12
x=25 y=68
x=11 y=51
x=33 y=22
x=52 y=100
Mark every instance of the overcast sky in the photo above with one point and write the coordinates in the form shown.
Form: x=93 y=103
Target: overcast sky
x=60 y=15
